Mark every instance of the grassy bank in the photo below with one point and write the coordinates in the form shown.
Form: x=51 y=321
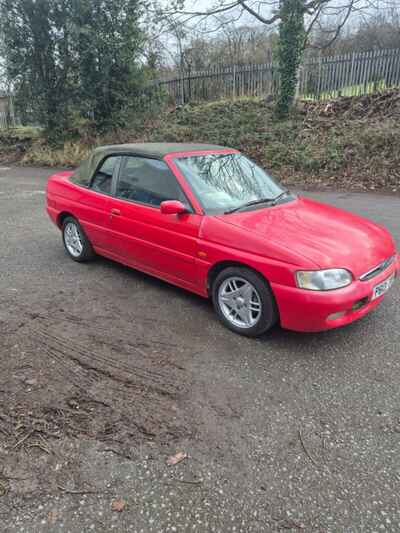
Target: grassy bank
x=349 y=143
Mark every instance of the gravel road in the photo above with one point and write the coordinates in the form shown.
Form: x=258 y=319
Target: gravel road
x=106 y=372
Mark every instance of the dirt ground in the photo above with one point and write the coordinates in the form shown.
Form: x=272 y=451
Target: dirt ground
x=106 y=372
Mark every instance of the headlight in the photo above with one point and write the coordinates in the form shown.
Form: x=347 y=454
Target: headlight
x=323 y=280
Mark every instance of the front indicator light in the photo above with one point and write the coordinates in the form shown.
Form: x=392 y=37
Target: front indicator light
x=323 y=280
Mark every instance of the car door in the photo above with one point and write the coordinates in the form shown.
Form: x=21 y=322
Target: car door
x=141 y=235
x=94 y=202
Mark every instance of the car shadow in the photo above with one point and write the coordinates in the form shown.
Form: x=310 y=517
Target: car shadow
x=277 y=337
x=340 y=337
x=154 y=282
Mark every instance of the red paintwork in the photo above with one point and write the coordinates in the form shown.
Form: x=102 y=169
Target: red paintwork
x=172 y=207
x=274 y=241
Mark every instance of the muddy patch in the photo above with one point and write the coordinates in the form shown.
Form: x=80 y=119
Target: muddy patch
x=65 y=378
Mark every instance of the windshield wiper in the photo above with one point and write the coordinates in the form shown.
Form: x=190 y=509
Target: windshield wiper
x=281 y=195
x=249 y=204
x=271 y=201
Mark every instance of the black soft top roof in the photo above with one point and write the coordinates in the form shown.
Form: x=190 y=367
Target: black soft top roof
x=154 y=150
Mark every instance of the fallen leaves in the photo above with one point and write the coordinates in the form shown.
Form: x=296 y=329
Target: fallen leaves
x=118 y=505
x=52 y=517
x=177 y=458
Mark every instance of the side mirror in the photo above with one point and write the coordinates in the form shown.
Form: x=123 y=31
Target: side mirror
x=172 y=207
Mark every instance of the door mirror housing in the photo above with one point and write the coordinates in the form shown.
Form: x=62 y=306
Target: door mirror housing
x=173 y=207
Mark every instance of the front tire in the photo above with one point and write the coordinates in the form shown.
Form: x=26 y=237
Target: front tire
x=244 y=301
x=76 y=244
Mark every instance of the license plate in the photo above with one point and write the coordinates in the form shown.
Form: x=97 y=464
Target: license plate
x=382 y=287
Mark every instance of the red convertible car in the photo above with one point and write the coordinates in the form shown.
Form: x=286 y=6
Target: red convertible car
x=206 y=218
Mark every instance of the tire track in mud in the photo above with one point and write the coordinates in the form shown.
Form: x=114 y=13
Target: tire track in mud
x=93 y=327
x=107 y=385
x=91 y=361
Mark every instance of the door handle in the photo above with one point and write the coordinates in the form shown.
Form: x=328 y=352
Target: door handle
x=115 y=212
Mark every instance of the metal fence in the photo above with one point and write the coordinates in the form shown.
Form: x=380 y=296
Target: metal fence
x=319 y=78
x=223 y=82
x=7 y=114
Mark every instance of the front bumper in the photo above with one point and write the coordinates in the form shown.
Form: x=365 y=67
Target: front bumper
x=304 y=310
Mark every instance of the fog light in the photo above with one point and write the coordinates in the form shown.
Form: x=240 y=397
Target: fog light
x=335 y=316
x=360 y=303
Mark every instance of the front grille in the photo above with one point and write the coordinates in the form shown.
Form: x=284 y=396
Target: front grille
x=376 y=270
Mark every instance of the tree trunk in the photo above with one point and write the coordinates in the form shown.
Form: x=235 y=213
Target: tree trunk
x=291 y=38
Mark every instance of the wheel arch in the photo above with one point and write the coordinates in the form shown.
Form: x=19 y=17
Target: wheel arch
x=221 y=265
x=62 y=216
x=218 y=267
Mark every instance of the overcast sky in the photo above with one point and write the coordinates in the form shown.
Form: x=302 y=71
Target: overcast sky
x=204 y=5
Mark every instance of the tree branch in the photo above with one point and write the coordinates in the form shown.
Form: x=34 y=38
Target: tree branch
x=211 y=11
x=257 y=14
x=339 y=27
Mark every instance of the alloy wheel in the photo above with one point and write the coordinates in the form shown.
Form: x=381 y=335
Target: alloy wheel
x=239 y=302
x=72 y=239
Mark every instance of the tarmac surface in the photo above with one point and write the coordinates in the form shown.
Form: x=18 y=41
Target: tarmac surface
x=106 y=372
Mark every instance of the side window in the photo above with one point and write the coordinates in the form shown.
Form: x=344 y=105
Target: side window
x=147 y=181
x=101 y=181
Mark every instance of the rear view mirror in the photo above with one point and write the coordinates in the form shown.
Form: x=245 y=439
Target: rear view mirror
x=172 y=207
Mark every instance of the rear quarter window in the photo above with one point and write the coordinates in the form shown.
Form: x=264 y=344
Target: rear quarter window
x=81 y=176
x=102 y=179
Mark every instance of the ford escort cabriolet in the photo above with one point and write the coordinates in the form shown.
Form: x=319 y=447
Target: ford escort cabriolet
x=208 y=219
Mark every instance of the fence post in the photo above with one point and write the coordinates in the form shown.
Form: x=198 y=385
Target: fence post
x=351 y=82
x=298 y=78
x=386 y=61
x=182 y=81
x=319 y=75
x=396 y=69
x=12 y=111
x=234 y=81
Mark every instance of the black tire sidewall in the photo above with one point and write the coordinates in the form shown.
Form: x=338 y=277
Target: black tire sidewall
x=269 y=313
x=87 y=250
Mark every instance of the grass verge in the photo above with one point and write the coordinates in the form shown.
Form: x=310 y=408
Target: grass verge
x=347 y=143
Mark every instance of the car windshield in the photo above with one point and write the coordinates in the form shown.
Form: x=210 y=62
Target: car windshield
x=227 y=182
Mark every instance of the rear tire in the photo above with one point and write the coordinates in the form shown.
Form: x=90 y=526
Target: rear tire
x=76 y=244
x=244 y=301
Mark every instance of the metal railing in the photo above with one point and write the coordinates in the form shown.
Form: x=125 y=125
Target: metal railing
x=7 y=113
x=319 y=78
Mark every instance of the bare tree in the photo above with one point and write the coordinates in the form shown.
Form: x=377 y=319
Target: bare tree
x=233 y=44
x=295 y=20
x=372 y=29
